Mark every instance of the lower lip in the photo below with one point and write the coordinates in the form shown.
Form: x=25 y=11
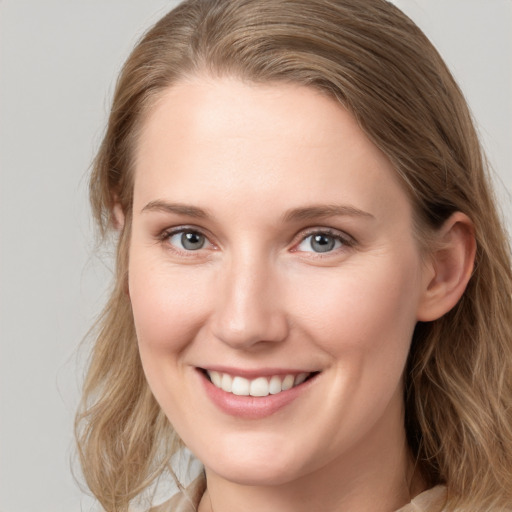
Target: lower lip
x=250 y=407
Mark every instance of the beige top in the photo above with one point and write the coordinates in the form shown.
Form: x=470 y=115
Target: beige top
x=428 y=501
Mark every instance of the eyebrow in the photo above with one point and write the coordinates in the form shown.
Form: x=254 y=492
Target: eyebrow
x=293 y=215
x=323 y=211
x=178 y=208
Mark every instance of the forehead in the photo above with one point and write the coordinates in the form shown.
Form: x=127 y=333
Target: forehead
x=223 y=138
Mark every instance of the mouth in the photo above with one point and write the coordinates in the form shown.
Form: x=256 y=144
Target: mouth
x=261 y=386
x=253 y=394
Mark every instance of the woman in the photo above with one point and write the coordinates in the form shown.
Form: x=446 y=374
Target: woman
x=313 y=285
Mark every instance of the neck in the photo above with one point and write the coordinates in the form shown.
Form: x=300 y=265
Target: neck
x=379 y=471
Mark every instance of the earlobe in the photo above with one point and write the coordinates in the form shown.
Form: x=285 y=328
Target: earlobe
x=450 y=268
x=117 y=216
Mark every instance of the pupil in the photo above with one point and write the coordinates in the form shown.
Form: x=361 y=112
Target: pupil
x=192 y=241
x=322 y=243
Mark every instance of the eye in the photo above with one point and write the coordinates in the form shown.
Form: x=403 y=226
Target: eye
x=187 y=240
x=321 y=242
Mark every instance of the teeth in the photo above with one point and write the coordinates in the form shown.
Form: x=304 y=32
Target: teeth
x=261 y=386
x=300 y=378
x=226 y=383
x=240 y=386
x=288 y=382
x=275 y=385
x=216 y=378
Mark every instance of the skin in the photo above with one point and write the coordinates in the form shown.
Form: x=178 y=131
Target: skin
x=257 y=295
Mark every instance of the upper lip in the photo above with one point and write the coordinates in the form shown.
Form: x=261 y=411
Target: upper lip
x=257 y=372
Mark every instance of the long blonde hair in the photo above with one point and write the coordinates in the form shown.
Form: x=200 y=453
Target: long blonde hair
x=376 y=62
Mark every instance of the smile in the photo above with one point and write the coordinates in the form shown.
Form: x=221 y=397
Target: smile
x=253 y=395
x=258 y=387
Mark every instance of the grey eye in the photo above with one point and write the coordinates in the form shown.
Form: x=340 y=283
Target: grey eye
x=322 y=243
x=319 y=242
x=188 y=240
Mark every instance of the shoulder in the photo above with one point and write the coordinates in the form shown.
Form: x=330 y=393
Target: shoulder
x=432 y=500
x=184 y=501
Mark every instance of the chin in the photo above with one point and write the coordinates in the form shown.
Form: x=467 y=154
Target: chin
x=266 y=469
x=266 y=474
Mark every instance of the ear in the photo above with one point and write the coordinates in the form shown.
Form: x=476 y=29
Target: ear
x=117 y=216
x=449 y=269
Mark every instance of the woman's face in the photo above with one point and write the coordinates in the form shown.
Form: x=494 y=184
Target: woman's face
x=272 y=253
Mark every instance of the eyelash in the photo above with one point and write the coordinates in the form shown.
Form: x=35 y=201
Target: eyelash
x=346 y=241
x=166 y=235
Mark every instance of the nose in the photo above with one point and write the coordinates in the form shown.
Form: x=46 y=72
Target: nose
x=249 y=310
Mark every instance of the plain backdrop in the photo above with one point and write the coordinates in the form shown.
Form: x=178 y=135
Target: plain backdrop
x=58 y=63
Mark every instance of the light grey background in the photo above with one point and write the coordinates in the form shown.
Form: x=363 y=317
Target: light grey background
x=58 y=62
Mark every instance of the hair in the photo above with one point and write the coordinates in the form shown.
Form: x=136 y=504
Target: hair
x=374 y=61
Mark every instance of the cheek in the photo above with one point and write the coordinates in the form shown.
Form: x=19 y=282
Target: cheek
x=169 y=304
x=363 y=317
x=361 y=308
x=169 y=307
